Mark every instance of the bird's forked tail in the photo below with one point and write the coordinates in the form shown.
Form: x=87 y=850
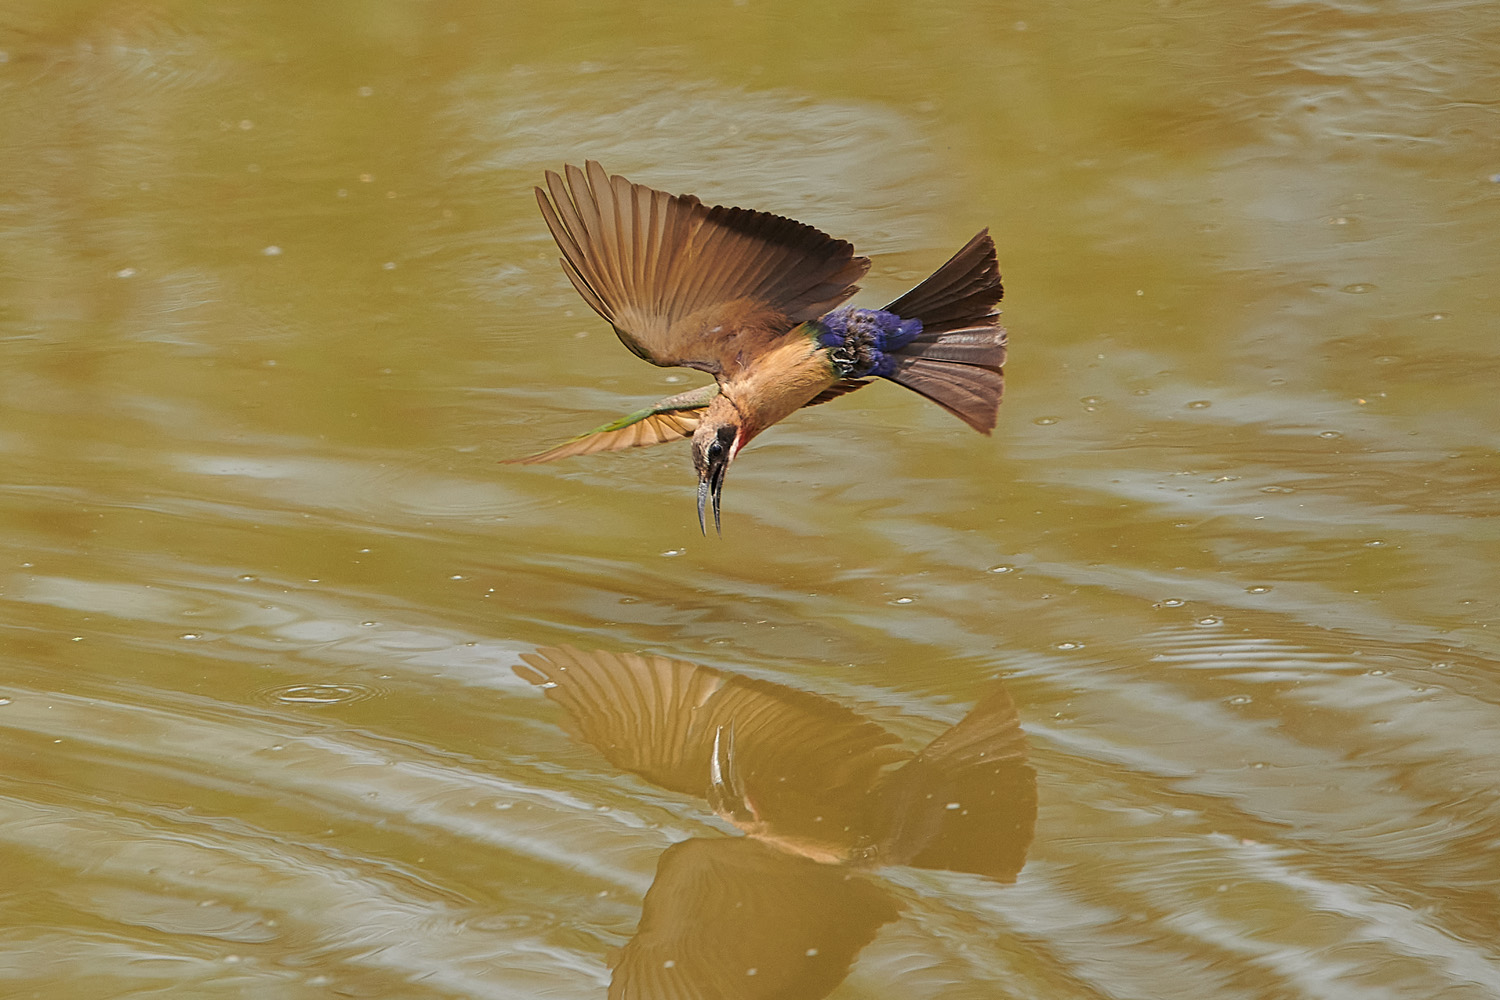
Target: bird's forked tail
x=956 y=360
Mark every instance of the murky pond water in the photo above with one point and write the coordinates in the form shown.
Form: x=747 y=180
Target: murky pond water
x=275 y=301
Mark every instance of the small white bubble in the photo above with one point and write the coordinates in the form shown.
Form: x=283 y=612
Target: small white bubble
x=904 y=600
x=672 y=553
x=1002 y=568
x=1259 y=588
x=1170 y=602
x=389 y=265
x=1068 y=645
x=456 y=576
x=1330 y=435
x=1358 y=288
x=125 y=272
x=5 y=701
x=1199 y=404
x=1239 y=699
x=1044 y=421
x=191 y=635
x=272 y=251
x=1210 y=620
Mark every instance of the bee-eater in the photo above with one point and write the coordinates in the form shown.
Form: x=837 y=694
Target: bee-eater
x=756 y=301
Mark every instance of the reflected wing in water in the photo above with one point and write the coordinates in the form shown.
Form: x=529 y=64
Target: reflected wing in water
x=797 y=764
x=737 y=918
x=968 y=802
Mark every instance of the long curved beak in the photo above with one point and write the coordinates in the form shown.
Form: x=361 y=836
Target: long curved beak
x=711 y=485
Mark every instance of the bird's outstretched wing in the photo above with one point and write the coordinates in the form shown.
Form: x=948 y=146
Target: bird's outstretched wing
x=681 y=282
x=670 y=419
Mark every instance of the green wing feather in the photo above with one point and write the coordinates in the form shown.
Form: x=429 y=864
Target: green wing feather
x=670 y=419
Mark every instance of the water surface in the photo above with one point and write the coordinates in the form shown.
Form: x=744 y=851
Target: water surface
x=275 y=301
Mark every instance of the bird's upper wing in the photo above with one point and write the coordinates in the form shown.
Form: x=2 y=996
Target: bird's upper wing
x=670 y=419
x=679 y=280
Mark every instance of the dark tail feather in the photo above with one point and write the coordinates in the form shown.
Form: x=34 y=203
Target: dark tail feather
x=956 y=361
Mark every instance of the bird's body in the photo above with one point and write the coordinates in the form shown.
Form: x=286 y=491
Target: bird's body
x=755 y=300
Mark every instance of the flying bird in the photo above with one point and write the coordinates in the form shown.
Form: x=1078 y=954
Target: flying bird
x=757 y=301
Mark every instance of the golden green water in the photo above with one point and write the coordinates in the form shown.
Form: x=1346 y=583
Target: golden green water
x=275 y=300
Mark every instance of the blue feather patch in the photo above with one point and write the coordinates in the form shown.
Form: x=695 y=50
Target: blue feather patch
x=860 y=341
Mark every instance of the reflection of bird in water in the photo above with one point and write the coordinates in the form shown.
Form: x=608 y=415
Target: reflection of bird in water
x=821 y=792
x=754 y=300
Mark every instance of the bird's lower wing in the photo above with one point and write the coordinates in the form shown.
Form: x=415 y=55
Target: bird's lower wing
x=670 y=419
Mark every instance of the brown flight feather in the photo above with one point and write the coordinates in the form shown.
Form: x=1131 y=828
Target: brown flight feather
x=658 y=428
x=666 y=270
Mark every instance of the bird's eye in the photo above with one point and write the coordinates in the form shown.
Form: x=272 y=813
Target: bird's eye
x=715 y=451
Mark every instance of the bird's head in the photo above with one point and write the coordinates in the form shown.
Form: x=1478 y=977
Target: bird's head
x=715 y=443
